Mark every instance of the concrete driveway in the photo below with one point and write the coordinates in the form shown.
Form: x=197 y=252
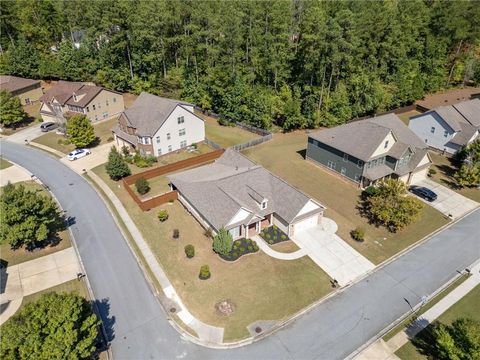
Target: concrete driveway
x=338 y=259
x=448 y=202
x=29 y=134
x=98 y=156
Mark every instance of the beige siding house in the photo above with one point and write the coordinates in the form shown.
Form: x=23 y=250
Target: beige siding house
x=67 y=97
x=27 y=90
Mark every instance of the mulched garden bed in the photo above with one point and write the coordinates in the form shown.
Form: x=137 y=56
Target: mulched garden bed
x=241 y=247
x=273 y=235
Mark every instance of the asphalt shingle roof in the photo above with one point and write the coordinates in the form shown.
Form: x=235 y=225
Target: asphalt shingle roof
x=15 y=83
x=470 y=110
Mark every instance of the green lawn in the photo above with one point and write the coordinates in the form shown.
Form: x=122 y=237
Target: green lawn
x=468 y=306
x=284 y=156
x=72 y=286
x=34 y=119
x=4 y=163
x=225 y=136
x=445 y=168
x=260 y=287
x=13 y=257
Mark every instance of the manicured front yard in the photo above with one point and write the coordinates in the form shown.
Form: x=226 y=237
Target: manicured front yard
x=445 y=168
x=260 y=287
x=284 y=156
x=225 y=136
x=13 y=257
x=4 y=164
x=468 y=307
x=73 y=286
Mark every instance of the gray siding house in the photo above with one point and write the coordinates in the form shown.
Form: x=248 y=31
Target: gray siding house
x=370 y=150
x=448 y=128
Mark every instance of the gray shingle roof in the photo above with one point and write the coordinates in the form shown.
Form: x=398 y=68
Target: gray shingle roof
x=148 y=113
x=361 y=138
x=15 y=83
x=219 y=190
x=470 y=110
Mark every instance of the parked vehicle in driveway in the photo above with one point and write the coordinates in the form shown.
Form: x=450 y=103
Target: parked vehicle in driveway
x=47 y=126
x=423 y=192
x=78 y=153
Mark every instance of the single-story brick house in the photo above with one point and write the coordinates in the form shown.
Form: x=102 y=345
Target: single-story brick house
x=237 y=194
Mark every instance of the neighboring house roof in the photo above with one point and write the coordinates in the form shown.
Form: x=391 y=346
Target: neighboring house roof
x=470 y=110
x=148 y=113
x=64 y=92
x=219 y=190
x=448 y=97
x=14 y=83
x=132 y=139
x=463 y=137
x=450 y=115
x=361 y=138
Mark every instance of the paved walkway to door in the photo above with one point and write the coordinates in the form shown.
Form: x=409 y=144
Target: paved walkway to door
x=277 y=254
x=449 y=202
x=338 y=259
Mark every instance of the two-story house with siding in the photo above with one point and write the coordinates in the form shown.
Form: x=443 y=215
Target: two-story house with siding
x=448 y=128
x=27 y=90
x=369 y=150
x=156 y=126
x=69 y=97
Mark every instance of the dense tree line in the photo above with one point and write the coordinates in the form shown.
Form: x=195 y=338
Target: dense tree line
x=294 y=63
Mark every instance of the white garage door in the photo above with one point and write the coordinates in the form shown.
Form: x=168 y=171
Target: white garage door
x=419 y=176
x=305 y=224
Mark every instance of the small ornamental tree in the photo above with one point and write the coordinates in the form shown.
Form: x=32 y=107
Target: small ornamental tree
x=27 y=218
x=204 y=272
x=80 y=130
x=223 y=242
x=190 y=251
x=162 y=215
x=142 y=186
x=11 y=111
x=467 y=175
x=57 y=326
x=116 y=167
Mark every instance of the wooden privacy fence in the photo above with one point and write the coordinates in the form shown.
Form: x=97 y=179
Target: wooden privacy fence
x=155 y=201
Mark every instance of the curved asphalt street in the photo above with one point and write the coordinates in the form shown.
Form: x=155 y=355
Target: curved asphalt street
x=333 y=330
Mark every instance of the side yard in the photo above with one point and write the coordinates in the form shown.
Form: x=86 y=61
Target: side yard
x=258 y=286
x=284 y=156
x=445 y=168
x=33 y=111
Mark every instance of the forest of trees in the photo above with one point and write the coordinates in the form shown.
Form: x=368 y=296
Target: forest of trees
x=295 y=63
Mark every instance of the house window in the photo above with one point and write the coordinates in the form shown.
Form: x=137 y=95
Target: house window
x=331 y=164
x=114 y=100
x=169 y=148
x=147 y=140
x=181 y=120
x=359 y=164
x=99 y=106
x=74 y=97
x=158 y=139
x=168 y=136
x=432 y=129
x=181 y=132
x=345 y=157
x=96 y=117
x=106 y=102
x=235 y=232
x=343 y=171
x=88 y=109
x=386 y=144
x=159 y=152
x=183 y=143
x=357 y=177
x=105 y=115
x=445 y=133
x=263 y=205
x=93 y=106
x=426 y=141
x=27 y=101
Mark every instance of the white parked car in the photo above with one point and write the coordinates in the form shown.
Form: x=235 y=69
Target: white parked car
x=78 y=153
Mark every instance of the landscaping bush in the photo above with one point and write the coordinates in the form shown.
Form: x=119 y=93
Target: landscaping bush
x=432 y=172
x=125 y=151
x=190 y=251
x=369 y=191
x=151 y=159
x=110 y=139
x=142 y=186
x=273 y=235
x=240 y=247
x=176 y=233
x=208 y=233
x=194 y=145
x=204 y=272
x=358 y=234
x=162 y=215
x=223 y=242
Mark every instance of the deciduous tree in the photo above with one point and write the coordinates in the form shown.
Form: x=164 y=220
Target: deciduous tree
x=80 y=130
x=11 y=111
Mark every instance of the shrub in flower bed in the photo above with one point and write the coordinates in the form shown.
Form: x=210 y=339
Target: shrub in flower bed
x=273 y=235
x=240 y=247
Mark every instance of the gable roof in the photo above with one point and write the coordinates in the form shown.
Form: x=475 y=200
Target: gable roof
x=219 y=190
x=470 y=110
x=15 y=83
x=361 y=138
x=63 y=92
x=148 y=113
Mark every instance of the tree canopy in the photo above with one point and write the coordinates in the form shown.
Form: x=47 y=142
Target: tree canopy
x=27 y=218
x=57 y=326
x=296 y=63
x=80 y=130
x=11 y=111
x=116 y=166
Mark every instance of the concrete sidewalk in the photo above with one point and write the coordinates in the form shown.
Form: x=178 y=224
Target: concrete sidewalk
x=276 y=254
x=209 y=334
x=14 y=174
x=36 y=275
x=381 y=350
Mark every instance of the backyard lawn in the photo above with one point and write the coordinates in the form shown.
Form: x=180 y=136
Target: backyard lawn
x=407 y=115
x=468 y=306
x=13 y=257
x=445 y=168
x=225 y=136
x=259 y=287
x=284 y=156
x=4 y=164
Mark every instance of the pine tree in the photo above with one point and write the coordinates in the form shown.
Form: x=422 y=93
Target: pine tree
x=116 y=167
